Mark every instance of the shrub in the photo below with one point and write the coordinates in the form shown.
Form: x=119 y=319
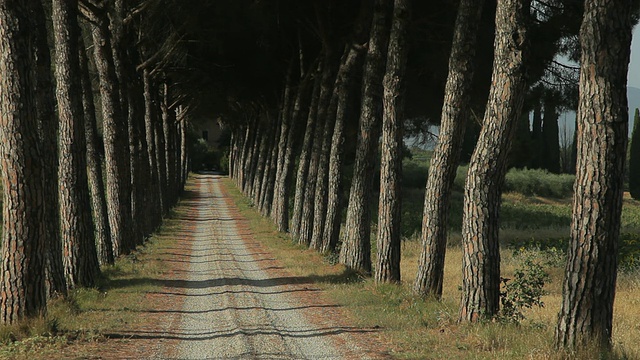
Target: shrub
x=524 y=291
x=532 y=182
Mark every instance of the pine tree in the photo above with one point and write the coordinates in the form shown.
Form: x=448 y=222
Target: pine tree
x=634 y=158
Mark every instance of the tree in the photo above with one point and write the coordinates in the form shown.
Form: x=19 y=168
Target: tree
x=550 y=134
x=586 y=312
x=634 y=158
x=48 y=135
x=487 y=169
x=455 y=112
x=343 y=91
x=80 y=259
x=356 y=247
x=115 y=134
x=390 y=202
x=305 y=157
x=22 y=277
x=104 y=247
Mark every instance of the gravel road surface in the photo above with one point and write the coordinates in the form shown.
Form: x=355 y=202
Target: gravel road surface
x=235 y=308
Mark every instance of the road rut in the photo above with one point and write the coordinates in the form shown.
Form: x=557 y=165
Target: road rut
x=238 y=304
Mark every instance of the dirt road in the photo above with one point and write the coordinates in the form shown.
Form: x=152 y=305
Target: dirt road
x=237 y=303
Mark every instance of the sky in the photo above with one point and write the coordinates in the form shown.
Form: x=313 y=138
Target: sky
x=634 y=66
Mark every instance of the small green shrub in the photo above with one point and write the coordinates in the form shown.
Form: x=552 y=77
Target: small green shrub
x=525 y=290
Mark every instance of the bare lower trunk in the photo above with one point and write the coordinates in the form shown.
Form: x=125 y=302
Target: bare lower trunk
x=156 y=202
x=331 y=231
x=481 y=251
x=307 y=216
x=356 y=247
x=22 y=277
x=116 y=143
x=283 y=177
x=442 y=169
x=390 y=205
x=94 y=168
x=586 y=313
x=48 y=135
x=76 y=225
x=302 y=181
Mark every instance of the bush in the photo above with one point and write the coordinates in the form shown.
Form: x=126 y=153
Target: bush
x=524 y=291
x=533 y=182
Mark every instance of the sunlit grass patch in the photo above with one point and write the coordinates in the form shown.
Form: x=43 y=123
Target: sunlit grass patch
x=419 y=328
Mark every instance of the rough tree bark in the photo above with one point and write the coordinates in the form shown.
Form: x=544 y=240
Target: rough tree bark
x=390 y=208
x=48 y=134
x=116 y=142
x=76 y=225
x=305 y=155
x=283 y=176
x=284 y=118
x=356 y=247
x=22 y=276
x=94 y=167
x=344 y=81
x=149 y=120
x=588 y=292
x=322 y=178
x=482 y=193
x=444 y=162
x=307 y=223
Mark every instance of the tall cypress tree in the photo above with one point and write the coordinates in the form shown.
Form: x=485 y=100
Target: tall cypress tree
x=634 y=158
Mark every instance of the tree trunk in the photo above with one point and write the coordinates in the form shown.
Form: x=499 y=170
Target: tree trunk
x=261 y=164
x=149 y=125
x=344 y=81
x=48 y=135
x=281 y=144
x=161 y=156
x=482 y=193
x=389 y=210
x=116 y=11
x=76 y=225
x=184 y=156
x=356 y=247
x=270 y=170
x=22 y=277
x=168 y=122
x=634 y=158
x=442 y=170
x=322 y=178
x=305 y=159
x=551 y=136
x=588 y=292
x=283 y=176
x=94 y=167
x=116 y=143
x=307 y=217
x=139 y=160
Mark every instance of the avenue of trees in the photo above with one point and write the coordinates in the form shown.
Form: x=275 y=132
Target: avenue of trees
x=317 y=96
x=62 y=216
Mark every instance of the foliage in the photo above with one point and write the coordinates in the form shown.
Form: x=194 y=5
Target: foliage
x=539 y=182
x=525 y=290
x=203 y=157
x=634 y=158
x=629 y=252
